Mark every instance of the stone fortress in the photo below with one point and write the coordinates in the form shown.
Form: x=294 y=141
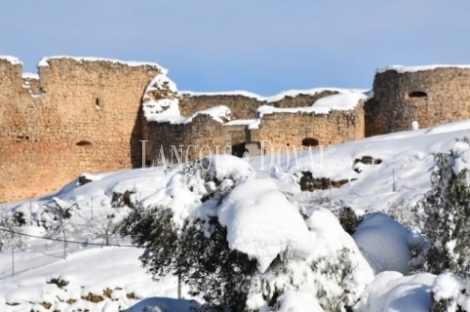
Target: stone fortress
x=90 y=115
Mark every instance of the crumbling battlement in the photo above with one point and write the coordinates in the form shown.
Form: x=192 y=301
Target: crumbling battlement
x=90 y=115
x=289 y=122
x=244 y=106
x=81 y=115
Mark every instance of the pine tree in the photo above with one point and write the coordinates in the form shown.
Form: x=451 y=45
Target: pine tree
x=446 y=212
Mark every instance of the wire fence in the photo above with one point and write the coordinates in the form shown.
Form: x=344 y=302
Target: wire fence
x=85 y=228
x=64 y=241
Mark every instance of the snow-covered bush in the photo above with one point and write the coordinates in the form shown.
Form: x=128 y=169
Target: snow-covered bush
x=153 y=230
x=241 y=245
x=218 y=274
x=349 y=220
x=386 y=244
x=392 y=291
x=451 y=293
x=446 y=211
x=8 y=227
x=340 y=273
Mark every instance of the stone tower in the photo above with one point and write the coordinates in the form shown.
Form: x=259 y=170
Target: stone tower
x=429 y=95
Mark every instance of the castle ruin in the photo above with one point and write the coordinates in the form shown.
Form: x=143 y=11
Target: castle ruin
x=430 y=95
x=90 y=115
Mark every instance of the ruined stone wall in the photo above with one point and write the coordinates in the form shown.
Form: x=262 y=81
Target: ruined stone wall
x=201 y=134
x=244 y=107
x=431 y=97
x=86 y=118
x=290 y=129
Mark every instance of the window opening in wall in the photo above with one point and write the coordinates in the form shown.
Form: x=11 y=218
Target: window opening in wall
x=97 y=103
x=22 y=138
x=417 y=94
x=84 y=143
x=310 y=142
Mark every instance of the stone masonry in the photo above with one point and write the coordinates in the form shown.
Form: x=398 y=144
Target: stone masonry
x=85 y=115
x=430 y=97
x=78 y=117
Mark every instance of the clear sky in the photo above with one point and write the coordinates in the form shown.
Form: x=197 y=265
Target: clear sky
x=256 y=45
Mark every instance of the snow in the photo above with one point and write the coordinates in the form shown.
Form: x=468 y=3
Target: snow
x=262 y=223
x=338 y=260
x=163 y=305
x=166 y=109
x=462 y=156
x=324 y=105
x=162 y=109
x=263 y=215
x=240 y=122
x=412 y=69
x=385 y=243
x=273 y=98
x=297 y=301
x=182 y=192
x=87 y=269
x=229 y=167
x=30 y=76
x=451 y=287
x=393 y=292
x=11 y=59
x=44 y=62
x=219 y=113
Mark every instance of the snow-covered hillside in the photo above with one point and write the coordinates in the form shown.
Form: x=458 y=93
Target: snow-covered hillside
x=260 y=198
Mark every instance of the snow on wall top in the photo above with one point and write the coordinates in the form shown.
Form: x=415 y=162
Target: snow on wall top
x=166 y=109
x=240 y=122
x=273 y=98
x=45 y=61
x=412 y=69
x=13 y=60
x=342 y=101
x=219 y=113
x=161 y=109
x=30 y=76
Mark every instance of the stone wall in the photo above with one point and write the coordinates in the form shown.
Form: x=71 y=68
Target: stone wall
x=431 y=97
x=294 y=129
x=81 y=116
x=86 y=116
x=201 y=135
x=244 y=107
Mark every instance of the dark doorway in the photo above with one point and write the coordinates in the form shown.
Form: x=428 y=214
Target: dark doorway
x=238 y=143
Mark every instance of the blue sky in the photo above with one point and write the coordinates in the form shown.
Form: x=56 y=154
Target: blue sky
x=256 y=45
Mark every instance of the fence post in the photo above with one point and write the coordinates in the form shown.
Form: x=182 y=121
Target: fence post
x=179 y=287
x=12 y=254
